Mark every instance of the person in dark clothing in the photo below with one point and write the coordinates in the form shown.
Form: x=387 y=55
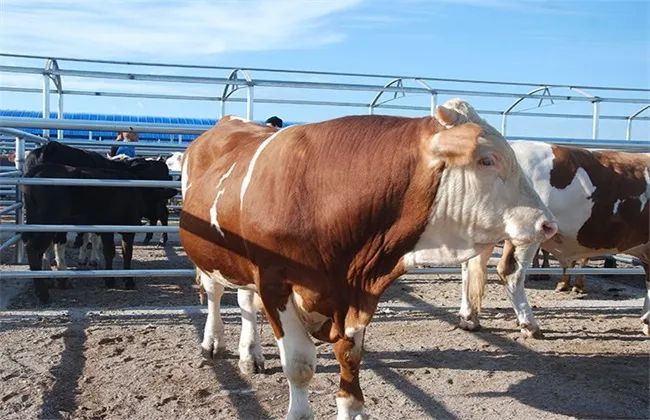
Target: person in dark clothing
x=274 y=122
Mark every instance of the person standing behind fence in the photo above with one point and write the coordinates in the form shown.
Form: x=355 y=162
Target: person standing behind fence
x=125 y=136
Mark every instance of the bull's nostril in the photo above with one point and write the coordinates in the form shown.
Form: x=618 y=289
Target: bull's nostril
x=549 y=229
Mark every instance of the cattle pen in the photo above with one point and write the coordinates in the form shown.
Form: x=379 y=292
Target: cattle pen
x=616 y=119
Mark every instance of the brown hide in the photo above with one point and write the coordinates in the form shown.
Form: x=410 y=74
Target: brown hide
x=330 y=209
x=615 y=176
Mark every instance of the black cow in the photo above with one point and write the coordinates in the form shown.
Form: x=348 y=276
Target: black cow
x=91 y=205
x=55 y=152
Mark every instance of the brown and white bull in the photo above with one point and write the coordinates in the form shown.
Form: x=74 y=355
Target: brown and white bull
x=600 y=201
x=319 y=219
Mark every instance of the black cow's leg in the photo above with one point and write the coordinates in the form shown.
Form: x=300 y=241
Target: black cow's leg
x=164 y=219
x=127 y=255
x=109 y=253
x=149 y=235
x=35 y=247
x=78 y=240
x=60 y=240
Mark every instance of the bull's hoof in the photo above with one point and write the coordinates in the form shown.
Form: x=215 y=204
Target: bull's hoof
x=468 y=324
x=531 y=332
x=646 y=329
x=213 y=352
x=578 y=290
x=250 y=367
x=562 y=287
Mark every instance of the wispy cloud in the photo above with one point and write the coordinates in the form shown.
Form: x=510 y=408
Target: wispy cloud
x=166 y=29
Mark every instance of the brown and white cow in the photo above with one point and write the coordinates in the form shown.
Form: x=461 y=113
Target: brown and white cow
x=319 y=219
x=600 y=201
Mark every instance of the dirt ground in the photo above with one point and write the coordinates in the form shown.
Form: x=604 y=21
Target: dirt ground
x=97 y=353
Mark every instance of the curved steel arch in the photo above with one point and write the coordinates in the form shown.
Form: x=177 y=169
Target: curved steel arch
x=628 y=129
x=399 y=84
x=231 y=88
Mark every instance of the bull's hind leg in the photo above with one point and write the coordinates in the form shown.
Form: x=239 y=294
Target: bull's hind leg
x=579 y=282
x=35 y=248
x=298 y=358
x=251 y=359
x=474 y=277
x=212 y=345
x=127 y=256
x=108 y=246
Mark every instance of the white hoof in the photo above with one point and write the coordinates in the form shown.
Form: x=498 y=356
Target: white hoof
x=531 y=331
x=471 y=324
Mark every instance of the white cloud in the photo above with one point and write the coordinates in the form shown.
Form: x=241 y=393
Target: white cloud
x=165 y=29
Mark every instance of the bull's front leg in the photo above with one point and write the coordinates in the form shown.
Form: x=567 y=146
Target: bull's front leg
x=108 y=247
x=127 y=256
x=348 y=351
x=512 y=270
x=59 y=257
x=474 y=277
x=213 y=345
x=251 y=359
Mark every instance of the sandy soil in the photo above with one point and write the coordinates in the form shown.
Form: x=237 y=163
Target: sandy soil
x=91 y=354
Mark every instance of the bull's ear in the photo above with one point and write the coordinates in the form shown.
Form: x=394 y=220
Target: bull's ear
x=447 y=117
x=456 y=146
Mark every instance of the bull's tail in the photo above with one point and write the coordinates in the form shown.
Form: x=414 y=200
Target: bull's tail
x=477 y=279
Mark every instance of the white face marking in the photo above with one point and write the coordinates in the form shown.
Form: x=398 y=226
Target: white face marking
x=213 y=210
x=616 y=204
x=251 y=166
x=174 y=161
x=185 y=177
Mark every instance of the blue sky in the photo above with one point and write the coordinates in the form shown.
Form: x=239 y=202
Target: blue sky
x=568 y=42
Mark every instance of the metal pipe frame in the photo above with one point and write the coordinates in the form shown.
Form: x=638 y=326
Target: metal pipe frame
x=517 y=102
x=299 y=84
x=68 y=182
x=323 y=73
x=20 y=212
x=11 y=208
x=231 y=88
x=23 y=134
x=306 y=102
x=628 y=128
x=88 y=228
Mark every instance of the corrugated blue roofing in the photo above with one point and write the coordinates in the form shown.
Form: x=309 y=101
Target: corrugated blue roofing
x=113 y=117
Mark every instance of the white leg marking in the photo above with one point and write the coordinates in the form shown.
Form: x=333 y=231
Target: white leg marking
x=251 y=166
x=298 y=357
x=517 y=294
x=59 y=257
x=213 y=210
x=213 y=343
x=251 y=359
x=349 y=408
x=83 y=251
x=465 y=312
x=45 y=263
x=95 y=245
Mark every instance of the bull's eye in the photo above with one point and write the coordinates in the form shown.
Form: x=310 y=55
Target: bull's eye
x=486 y=161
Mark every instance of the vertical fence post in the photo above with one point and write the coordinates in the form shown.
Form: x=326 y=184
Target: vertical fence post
x=596 y=120
x=249 y=103
x=20 y=212
x=46 y=102
x=434 y=104
x=59 y=133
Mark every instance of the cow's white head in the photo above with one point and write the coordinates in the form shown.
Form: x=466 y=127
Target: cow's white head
x=483 y=196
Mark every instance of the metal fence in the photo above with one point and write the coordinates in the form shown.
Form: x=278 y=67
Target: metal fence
x=288 y=80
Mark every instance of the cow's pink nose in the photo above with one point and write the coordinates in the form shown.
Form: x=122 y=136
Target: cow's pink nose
x=548 y=228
